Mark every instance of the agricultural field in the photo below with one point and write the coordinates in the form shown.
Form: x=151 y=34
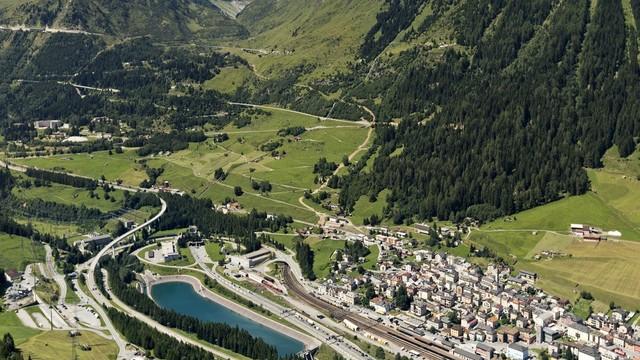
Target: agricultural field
x=608 y=269
x=17 y=252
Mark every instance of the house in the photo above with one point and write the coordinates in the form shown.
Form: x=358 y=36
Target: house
x=422 y=228
x=97 y=241
x=128 y=224
x=465 y=355
x=528 y=276
x=517 y=352
x=618 y=315
x=380 y=305
x=508 y=334
x=457 y=331
x=485 y=351
x=419 y=308
x=12 y=275
x=549 y=335
x=588 y=353
x=578 y=332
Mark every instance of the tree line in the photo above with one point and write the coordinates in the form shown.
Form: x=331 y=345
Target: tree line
x=62 y=178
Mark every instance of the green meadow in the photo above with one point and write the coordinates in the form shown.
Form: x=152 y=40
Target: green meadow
x=17 y=252
x=113 y=167
x=609 y=269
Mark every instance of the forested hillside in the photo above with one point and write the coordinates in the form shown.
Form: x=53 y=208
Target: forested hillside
x=506 y=116
x=497 y=105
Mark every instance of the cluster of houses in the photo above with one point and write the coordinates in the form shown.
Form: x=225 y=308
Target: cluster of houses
x=483 y=312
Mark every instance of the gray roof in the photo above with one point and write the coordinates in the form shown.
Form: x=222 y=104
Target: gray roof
x=485 y=347
x=466 y=354
x=579 y=327
x=518 y=347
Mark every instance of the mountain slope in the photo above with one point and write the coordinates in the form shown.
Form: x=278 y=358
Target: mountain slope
x=324 y=34
x=505 y=116
x=163 y=20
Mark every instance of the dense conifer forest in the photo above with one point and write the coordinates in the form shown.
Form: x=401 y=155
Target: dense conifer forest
x=511 y=126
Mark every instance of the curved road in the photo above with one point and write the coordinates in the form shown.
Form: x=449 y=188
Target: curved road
x=98 y=296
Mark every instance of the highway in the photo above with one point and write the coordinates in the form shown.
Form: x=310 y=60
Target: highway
x=427 y=349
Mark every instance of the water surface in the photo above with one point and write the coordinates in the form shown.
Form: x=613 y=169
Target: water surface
x=182 y=298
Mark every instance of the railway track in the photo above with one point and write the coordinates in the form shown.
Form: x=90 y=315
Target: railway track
x=425 y=348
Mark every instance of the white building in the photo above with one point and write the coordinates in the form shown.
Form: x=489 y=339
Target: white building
x=169 y=250
x=517 y=352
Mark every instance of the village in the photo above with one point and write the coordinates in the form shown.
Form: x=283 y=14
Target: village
x=475 y=312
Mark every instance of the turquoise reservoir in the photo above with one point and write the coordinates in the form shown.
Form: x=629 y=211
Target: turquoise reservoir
x=182 y=298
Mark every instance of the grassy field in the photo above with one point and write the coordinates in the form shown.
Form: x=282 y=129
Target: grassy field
x=323 y=250
x=54 y=228
x=117 y=166
x=288 y=240
x=9 y=323
x=46 y=289
x=16 y=252
x=56 y=345
x=372 y=258
x=581 y=308
x=241 y=156
x=326 y=34
x=364 y=208
x=72 y=196
x=229 y=79
x=609 y=270
x=213 y=250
